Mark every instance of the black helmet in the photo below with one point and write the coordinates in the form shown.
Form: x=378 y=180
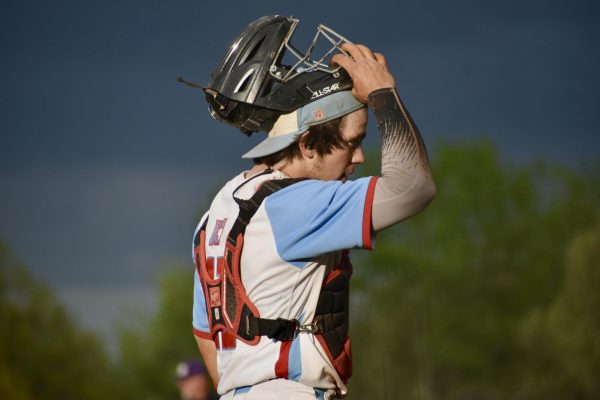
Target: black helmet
x=251 y=87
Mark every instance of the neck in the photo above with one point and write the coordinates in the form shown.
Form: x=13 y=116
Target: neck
x=293 y=169
x=256 y=168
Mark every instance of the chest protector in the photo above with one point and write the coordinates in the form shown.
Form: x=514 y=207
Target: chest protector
x=231 y=313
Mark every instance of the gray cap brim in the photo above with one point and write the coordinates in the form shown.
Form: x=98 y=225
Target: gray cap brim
x=272 y=145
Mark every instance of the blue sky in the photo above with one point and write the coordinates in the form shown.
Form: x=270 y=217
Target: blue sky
x=106 y=162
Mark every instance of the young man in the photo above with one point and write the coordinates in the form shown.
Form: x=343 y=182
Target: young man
x=271 y=288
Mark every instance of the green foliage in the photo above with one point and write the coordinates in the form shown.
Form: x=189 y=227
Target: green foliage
x=561 y=340
x=149 y=356
x=442 y=298
x=43 y=355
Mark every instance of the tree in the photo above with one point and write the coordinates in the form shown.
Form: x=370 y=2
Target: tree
x=149 y=355
x=439 y=304
x=562 y=341
x=43 y=354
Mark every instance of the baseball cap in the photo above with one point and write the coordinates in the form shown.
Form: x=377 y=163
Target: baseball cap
x=289 y=126
x=189 y=368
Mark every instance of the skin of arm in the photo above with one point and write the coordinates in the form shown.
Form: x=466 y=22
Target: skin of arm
x=208 y=351
x=406 y=186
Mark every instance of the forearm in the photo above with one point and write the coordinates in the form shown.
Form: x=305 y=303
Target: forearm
x=406 y=186
x=209 y=354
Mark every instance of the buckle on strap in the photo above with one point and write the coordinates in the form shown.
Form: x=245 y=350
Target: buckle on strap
x=321 y=324
x=282 y=329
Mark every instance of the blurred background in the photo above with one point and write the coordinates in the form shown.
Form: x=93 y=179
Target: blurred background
x=107 y=163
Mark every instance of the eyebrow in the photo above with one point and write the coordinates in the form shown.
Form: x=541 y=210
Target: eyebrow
x=361 y=136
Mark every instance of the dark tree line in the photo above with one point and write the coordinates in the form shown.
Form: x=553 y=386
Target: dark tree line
x=43 y=354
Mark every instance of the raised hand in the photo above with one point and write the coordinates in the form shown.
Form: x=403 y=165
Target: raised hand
x=368 y=70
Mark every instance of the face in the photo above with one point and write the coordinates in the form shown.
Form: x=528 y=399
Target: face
x=340 y=163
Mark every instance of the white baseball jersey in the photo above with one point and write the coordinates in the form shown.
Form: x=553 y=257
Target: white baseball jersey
x=293 y=241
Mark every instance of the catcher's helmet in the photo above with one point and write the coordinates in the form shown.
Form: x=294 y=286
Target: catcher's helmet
x=251 y=87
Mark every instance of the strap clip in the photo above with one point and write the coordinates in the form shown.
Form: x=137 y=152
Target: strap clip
x=321 y=324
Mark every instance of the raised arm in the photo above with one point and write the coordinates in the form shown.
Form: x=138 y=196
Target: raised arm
x=406 y=186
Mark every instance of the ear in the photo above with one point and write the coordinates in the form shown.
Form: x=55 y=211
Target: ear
x=306 y=149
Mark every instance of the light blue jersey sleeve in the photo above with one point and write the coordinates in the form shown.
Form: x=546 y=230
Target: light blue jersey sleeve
x=200 y=319
x=315 y=217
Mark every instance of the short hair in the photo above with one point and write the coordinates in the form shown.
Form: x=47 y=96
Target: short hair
x=323 y=138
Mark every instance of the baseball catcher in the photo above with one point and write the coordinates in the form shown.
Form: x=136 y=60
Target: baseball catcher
x=272 y=261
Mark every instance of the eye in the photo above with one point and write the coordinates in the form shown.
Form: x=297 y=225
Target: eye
x=354 y=144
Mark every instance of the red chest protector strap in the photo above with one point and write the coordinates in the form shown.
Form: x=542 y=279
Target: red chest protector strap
x=228 y=307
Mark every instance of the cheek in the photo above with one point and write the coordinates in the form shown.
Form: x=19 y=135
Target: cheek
x=345 y=158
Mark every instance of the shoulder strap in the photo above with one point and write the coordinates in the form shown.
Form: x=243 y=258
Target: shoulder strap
x=249 y=207
x=202 y=227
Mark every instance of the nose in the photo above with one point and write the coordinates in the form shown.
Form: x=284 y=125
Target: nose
x=358 y=157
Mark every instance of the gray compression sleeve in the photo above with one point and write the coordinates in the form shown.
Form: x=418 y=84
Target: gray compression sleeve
x=406 y=186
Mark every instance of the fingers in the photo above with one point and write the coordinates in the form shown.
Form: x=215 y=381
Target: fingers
x=358 y=51
x=344 y=61
x=368 y=70
x=380 y=59
x=366 y=52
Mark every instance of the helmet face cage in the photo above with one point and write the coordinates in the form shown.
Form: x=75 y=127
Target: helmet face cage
x=307 y=62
